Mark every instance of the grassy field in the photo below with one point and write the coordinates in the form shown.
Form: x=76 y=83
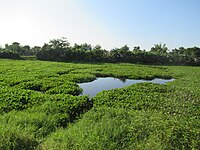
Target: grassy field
x=40 y=107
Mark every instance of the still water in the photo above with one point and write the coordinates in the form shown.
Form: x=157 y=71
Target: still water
x=100 y=84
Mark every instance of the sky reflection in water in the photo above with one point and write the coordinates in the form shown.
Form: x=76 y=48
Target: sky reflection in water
x=100 y=84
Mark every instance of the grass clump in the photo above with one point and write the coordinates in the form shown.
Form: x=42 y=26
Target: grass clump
x=116 y=128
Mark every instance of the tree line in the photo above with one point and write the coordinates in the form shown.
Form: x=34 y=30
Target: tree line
x=61 y=50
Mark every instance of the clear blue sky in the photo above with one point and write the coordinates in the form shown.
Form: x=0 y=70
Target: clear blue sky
x=110 y=23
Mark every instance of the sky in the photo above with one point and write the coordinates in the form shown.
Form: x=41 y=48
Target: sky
x=110 y=23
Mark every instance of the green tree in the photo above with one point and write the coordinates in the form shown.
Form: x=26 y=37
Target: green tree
x=55 y=50
x=25 y=50
x=35 y=49
x=159 y=49
x=59 y=43
x=125 y=54
x=136 y=49
x=99 y=54
x=14 y=47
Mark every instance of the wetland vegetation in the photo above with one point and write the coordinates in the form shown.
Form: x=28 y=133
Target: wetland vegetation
x=40 y=107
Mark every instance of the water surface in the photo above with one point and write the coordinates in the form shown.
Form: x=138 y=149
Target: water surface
x=100 y=84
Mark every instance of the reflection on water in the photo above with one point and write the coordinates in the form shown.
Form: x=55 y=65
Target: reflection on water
x=100 y=84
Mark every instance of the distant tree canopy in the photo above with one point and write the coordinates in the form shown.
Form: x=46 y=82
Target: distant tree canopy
x=61 y=50
x=15 y=51
x=4 y=53
x=159 y=49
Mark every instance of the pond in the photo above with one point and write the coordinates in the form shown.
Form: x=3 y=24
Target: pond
x=100 y=84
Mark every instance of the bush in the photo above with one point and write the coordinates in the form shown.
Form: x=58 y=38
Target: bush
x=9 y=55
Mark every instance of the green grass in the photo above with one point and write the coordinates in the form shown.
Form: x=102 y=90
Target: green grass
x=114 y=128
x=40 y=107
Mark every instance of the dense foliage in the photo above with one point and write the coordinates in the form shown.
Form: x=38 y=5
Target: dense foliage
x=9 y=54
x=61 y=50
x=40 y=107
